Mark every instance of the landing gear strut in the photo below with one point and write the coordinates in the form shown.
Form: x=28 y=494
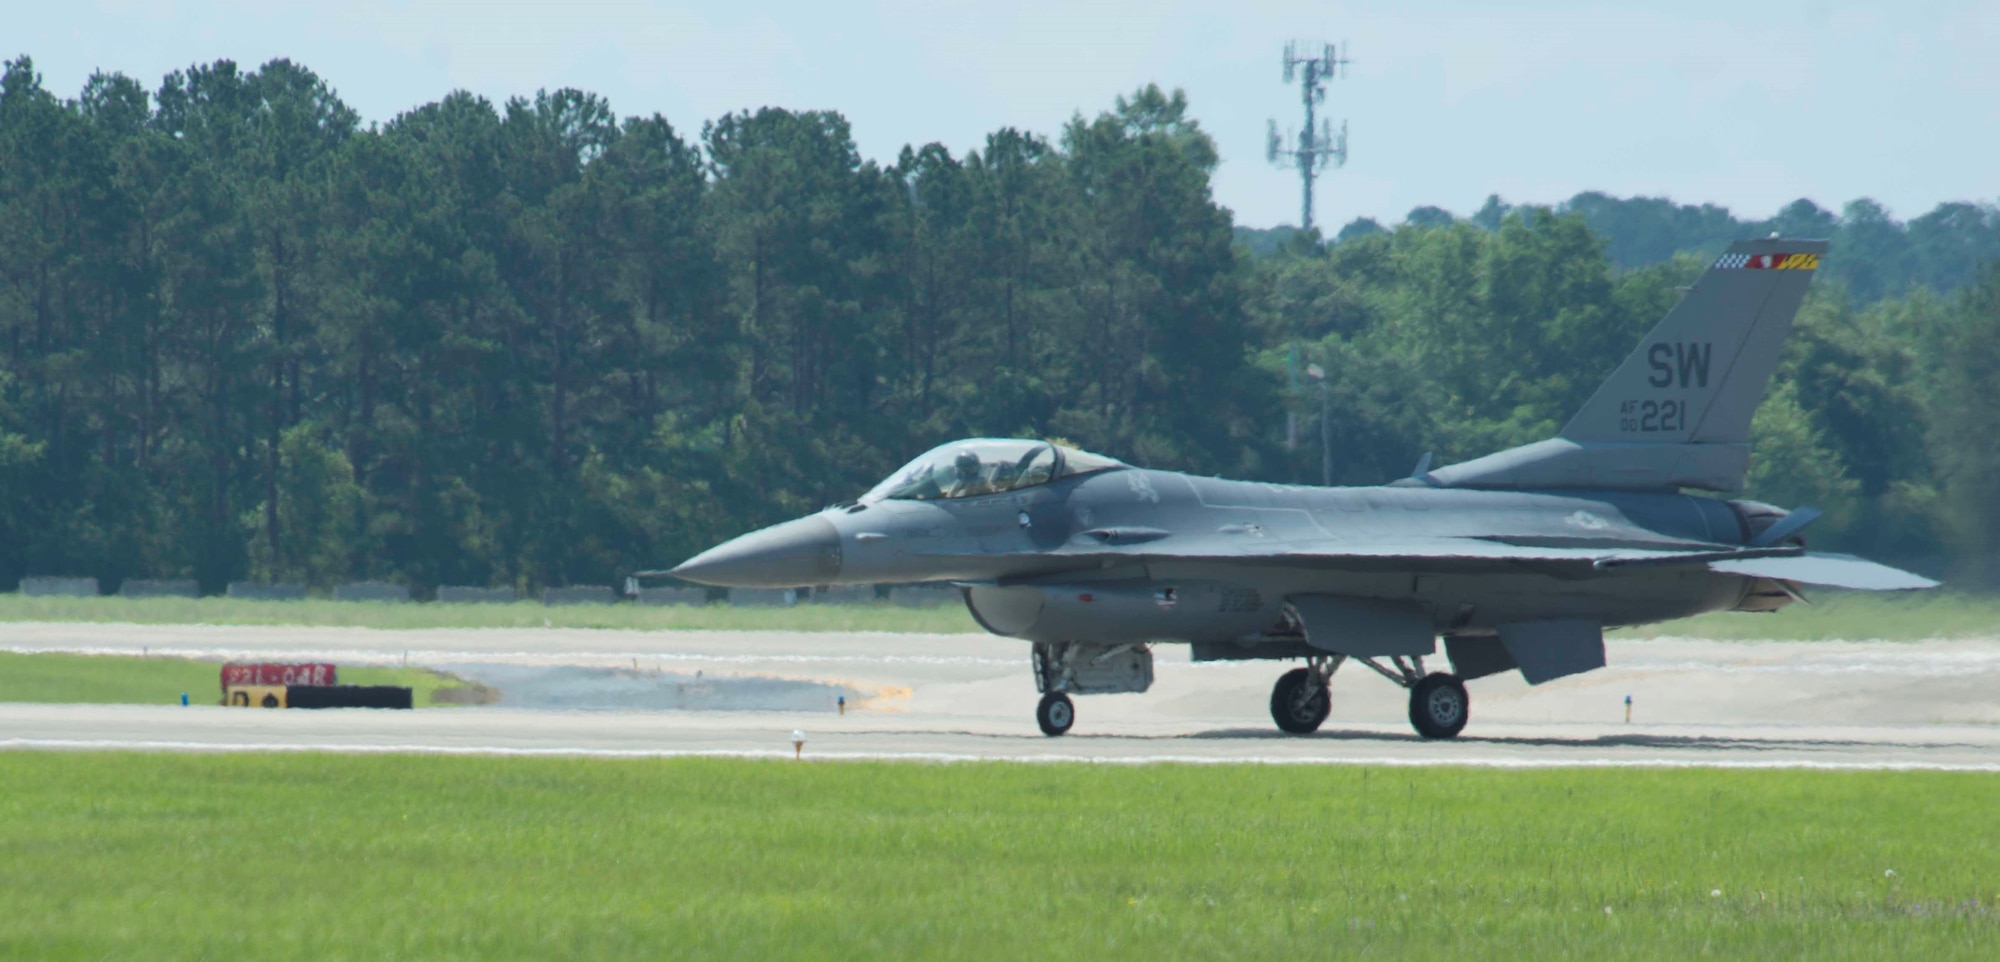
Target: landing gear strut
x=1300 y=701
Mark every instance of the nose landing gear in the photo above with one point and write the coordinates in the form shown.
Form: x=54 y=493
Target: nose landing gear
x=1068 y=668
x=1301 y=700
x=1055 y=714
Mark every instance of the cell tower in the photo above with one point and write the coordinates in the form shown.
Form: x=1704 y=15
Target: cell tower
x=1315 y=148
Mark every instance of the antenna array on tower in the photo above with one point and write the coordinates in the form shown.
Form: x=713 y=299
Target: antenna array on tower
x=1315 y=147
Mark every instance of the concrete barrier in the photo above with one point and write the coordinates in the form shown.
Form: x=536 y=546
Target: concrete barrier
x=672 y=596
x=150 y=588
x=579 y=595
x=260 y=591
x=464 y=595
x=378 y=591
x=47 y=587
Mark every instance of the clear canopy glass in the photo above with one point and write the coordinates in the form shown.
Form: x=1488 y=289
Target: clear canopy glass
x=966 y=469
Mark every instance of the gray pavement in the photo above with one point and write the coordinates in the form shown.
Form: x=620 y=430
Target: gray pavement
x=949 y=697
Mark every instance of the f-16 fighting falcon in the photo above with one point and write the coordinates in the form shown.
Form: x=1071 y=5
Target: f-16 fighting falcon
x=1518 y=560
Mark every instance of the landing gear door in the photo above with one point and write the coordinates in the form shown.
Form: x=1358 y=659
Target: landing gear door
x=1365 y=627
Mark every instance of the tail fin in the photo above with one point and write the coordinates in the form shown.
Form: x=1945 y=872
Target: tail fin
x=1677 y=411
x=1699 y=376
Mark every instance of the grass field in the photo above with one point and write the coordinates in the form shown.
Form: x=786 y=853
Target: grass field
x=525 y=614
x=1848 y=615
x=1851 y=616
x=330 y=856
x=116 y=680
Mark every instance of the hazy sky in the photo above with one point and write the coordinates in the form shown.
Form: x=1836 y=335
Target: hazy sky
x=1747 y=104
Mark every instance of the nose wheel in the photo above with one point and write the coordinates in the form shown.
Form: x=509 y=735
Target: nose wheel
x=1055 y=714
x=1300 y=701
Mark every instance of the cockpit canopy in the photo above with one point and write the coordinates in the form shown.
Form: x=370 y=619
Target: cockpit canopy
x=965 y=469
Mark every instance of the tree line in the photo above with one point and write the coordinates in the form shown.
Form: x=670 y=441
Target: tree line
x=1874 y=255
x=244 y=336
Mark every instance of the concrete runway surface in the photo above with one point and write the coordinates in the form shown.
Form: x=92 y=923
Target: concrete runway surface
x=951 y=697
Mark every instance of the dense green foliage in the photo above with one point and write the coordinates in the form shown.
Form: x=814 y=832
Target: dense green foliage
x=241 y=335
x=329 y=856
x=1874 y=255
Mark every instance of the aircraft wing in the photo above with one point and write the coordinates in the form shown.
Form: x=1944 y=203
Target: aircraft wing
x=1434 y=553
x=1831 y=570
x=1785 y=563
x=1782 y=562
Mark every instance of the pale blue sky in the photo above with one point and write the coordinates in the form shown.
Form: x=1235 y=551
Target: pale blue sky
x=1747 y=104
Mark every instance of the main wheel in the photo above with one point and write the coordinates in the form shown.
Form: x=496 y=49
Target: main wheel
x=1298 y=705
x=1055 y=714
x=1439 y=706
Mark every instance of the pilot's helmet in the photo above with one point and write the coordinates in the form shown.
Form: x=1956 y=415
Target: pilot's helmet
x=967 y=465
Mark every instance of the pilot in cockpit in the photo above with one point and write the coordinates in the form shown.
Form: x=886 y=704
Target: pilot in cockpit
x=968 y=477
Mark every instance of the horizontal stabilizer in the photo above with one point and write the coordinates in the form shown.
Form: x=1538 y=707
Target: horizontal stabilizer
x=1829 y=570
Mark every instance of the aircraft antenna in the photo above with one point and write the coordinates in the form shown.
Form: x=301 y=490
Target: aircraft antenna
x=1315 y=147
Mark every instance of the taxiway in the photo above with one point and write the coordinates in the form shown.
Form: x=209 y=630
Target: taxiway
x=953 y=697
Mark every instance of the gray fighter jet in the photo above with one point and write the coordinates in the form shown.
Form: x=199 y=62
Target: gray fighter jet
x=1519 y=560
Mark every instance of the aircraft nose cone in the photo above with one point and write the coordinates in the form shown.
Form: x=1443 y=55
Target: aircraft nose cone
x=797 y=553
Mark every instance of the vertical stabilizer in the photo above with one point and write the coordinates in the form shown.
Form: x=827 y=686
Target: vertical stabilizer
x=1699 y=375
x=1677 y=412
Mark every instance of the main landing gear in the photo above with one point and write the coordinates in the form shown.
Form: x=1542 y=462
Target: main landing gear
x=1439 y=706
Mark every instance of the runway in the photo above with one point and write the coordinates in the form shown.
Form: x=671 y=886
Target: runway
x=1864 y=705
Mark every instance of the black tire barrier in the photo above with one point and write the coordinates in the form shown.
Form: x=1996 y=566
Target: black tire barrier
x=349 y=696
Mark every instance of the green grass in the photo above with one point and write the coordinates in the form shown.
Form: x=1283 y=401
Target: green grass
x=127 y=680
x=1851 y=616
x=526 y=614
x=330 y=856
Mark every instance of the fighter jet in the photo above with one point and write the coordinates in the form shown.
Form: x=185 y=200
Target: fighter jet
x=1518 y=560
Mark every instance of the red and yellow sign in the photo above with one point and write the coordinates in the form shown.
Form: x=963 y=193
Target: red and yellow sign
x=272 y=673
